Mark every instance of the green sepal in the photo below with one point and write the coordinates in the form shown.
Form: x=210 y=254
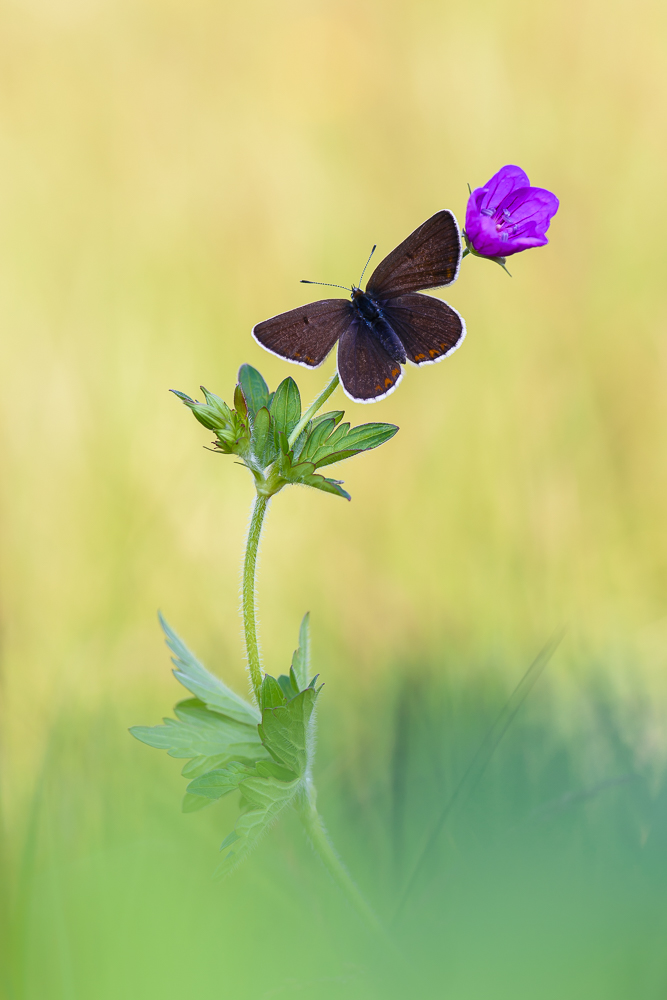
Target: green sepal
x=286 y=407
x=501 y=261
x=255 y=389
x=240 y=404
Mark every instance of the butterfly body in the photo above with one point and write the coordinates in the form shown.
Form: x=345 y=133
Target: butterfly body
x=385 y=326
x=370 y=312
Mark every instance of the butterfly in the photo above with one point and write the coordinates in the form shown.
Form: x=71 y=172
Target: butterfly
x=382 y=328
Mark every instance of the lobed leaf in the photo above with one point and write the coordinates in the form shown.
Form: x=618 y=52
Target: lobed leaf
x=301 y=658
x=284 y=731
x=199 y=733
x=205 y=685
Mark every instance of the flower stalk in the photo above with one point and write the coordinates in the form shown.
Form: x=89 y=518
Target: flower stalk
x=249 y=598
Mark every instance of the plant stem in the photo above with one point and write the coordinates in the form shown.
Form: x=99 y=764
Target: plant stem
x=248 y=600
x=319 y=838
x=319 y=401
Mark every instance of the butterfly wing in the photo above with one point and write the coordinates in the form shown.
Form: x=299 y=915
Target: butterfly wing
x=429 y=329
x=307 y=334
x=428 y=258
x=365 y=369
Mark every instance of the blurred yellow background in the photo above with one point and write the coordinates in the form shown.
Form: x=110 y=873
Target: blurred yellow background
x=168 y=173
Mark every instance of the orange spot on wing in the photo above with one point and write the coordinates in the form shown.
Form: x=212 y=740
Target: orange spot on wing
x=419 y=357
x=395 y=372
x=433 y=352
x=388 y=382
x=378 y=388
x=311 y=361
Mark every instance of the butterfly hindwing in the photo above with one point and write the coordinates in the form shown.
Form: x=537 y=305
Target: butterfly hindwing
x=428 y=328
x=366 y=370
x=429 y=258
x=307 y=334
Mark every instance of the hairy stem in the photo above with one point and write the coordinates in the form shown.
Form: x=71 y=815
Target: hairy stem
x=248 y=601
x=319 y=401
x=319 y=838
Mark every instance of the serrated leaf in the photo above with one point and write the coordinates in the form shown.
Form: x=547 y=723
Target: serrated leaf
x=215 y=784
x=286 y=407
x=284 y=731
x=255 y=389
x=330 y=458
x=335 y=415
x=301 y=658
x=288 y=686
x=193 y=803
x=269 y=769
x=285 y=734
x=205 y=685
x=265 y=797
x=271 y=693
x=315 y=439
x=262 y=439
x=367 y=436
x=198 y=732
x=326 y=485
x=338 y=435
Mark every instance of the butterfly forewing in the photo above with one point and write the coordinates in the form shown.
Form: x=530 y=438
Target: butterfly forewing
x=429 y=329
x=366 y=370
x=307 y=334
x=429 y=258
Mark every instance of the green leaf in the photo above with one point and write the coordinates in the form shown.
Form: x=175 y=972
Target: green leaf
x=284 y=731
x=330 y=458
x=265 y=798
x=193 y=803
x=288 y=686
x=262 y=440
x=206 y=686
x=335 y=415
x=215 y=784
x=327 y=486
x=301 y=658
x=271 y=693
x=286 y=407
x=367 y=436
x=255 y=389
x=197 y=732
x=316 y=439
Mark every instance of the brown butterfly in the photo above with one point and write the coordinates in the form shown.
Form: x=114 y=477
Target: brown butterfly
x=386 y=325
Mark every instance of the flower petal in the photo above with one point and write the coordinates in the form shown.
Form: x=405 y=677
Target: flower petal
x=530 y=205
x=508 y=179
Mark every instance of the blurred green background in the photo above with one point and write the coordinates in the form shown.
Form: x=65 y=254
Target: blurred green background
x=168 y=172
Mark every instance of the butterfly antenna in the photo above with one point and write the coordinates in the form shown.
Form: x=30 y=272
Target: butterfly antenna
x=329 y=284
x=367 y=263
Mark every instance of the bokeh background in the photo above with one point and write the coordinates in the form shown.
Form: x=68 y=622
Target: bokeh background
x=168 y=172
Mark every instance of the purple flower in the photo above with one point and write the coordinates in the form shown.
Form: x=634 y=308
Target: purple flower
x=508 y=215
